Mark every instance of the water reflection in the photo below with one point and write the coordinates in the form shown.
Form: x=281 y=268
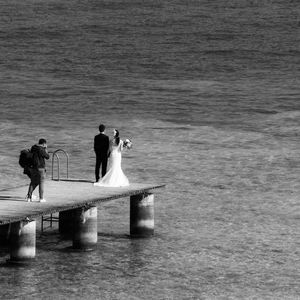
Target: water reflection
x=138 y=255
x=22 y=279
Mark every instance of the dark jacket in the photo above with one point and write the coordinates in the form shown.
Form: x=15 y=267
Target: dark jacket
x=39 y=154
x=101 y=144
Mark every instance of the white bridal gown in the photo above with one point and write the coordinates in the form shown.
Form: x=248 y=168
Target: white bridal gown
x=115 y=176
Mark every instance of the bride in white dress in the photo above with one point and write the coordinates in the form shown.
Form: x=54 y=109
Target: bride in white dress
x=115 y=176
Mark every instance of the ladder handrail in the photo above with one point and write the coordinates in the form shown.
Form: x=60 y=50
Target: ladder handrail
x=50 y=218
x=52 y=176
x=54 y=154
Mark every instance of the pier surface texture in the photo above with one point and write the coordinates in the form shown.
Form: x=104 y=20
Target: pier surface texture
x=61 y=196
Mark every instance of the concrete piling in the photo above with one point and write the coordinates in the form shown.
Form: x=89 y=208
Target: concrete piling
x=142 y=215
x=66 y=223
x=4 y=234
x=85 y=235
x=22 y=240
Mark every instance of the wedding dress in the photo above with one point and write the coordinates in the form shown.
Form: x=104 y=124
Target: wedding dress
x=115 y=176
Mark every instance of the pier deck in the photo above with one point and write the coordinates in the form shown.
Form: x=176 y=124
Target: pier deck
x=61 y=196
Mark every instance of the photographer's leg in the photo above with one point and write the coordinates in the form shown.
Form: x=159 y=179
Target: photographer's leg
x=42 y=174
x=33 y=184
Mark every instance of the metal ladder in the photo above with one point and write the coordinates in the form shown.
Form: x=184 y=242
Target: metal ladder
x=50 y=218
x=55 y=155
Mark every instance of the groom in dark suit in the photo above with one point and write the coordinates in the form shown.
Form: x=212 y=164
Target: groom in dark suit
x=101 y=147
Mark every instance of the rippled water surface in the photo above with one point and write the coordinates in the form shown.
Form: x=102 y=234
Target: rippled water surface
x=209 y=93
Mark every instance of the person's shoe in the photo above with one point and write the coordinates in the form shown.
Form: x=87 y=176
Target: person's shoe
x=28 y=199
x=42 y=200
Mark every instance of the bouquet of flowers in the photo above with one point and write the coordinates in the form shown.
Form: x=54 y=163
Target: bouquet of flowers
x=127 y=144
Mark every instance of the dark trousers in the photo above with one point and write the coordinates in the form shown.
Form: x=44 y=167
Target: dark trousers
x=37 y=179
x=101 y=161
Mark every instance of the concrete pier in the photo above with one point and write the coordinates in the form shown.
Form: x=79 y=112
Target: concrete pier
x=76 y=202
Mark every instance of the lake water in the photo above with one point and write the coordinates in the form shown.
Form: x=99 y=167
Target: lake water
x=208 y=91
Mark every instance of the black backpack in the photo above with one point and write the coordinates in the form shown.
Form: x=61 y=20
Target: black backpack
x=25 y=158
